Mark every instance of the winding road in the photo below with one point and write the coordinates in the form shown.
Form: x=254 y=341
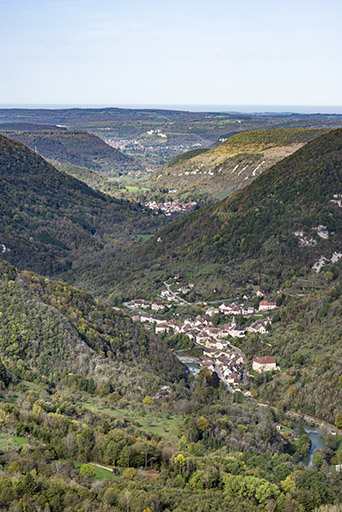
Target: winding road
x=173 y=294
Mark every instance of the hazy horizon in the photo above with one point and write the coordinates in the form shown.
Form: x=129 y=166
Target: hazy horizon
x=244 y=109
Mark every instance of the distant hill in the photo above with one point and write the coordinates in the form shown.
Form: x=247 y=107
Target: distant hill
x=75 y=147
x=233 y=164
x=287 y=220
x=48 y=218
x=155 y=136
x=52 y=329
x=29 y=127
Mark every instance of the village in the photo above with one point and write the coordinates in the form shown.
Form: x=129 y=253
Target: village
x=154 y=143
x=170 y=207
x=218 y=353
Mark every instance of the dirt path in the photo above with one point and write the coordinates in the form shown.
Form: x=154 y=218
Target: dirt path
x=99 y=466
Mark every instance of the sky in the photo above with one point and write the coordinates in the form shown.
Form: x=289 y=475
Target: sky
x=148 y=52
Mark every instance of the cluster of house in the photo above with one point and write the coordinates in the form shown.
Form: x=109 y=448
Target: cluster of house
x=229 y=365
x=234 y=309
x=144 y=145
x=142 y=304
x=170 y=207
x=129 y=145
x=213 y=339
x=170 y=296
x=200 y=329
x=157 y=132
x=225 y=363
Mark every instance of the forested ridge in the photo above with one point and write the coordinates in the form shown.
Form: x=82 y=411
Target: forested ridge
x=49 y=218
x=258 y=223
x=52 y=328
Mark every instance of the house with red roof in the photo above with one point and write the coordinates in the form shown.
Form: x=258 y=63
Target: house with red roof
x=264 y=364
x=264 y=305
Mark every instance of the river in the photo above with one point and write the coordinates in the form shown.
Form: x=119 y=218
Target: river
x=317 y=443
x=192 y=367
x=192 y=363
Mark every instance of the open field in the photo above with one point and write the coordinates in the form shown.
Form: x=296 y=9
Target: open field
x=166 y=426
x=8 y=441
x=101 y=473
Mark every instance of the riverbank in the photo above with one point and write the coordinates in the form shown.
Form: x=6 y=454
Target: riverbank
x=187 y=359
x=329 y=427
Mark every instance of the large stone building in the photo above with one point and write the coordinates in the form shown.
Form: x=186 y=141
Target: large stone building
x=264 y=364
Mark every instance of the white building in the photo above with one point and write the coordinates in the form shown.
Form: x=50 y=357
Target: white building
x=264 y=364
x=230 y=309
x=265 y=305
x=212 y=311
x=259 y=327
x=160 y=328
x=157 y=306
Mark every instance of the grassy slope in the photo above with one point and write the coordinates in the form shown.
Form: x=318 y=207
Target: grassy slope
x=164 y=425
x=234 y=163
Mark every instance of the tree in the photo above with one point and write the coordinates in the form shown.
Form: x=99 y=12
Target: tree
x=30 y=485
x=3 y=374
x=338 y=421
x=250 y=487
x=197 y=481
x=88 y=469
x=288 y=484
x=304 y=445
x=111 y=496
x=148 y=400
x=129 y=473
x=180 y=461
x=203 y=424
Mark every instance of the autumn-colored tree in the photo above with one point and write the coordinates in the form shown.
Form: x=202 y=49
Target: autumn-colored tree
x=148 y=400
x=203 y=424
x=129 y=473
x=338 y=420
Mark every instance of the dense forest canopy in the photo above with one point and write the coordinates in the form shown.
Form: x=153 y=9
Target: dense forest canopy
x=49 y=218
